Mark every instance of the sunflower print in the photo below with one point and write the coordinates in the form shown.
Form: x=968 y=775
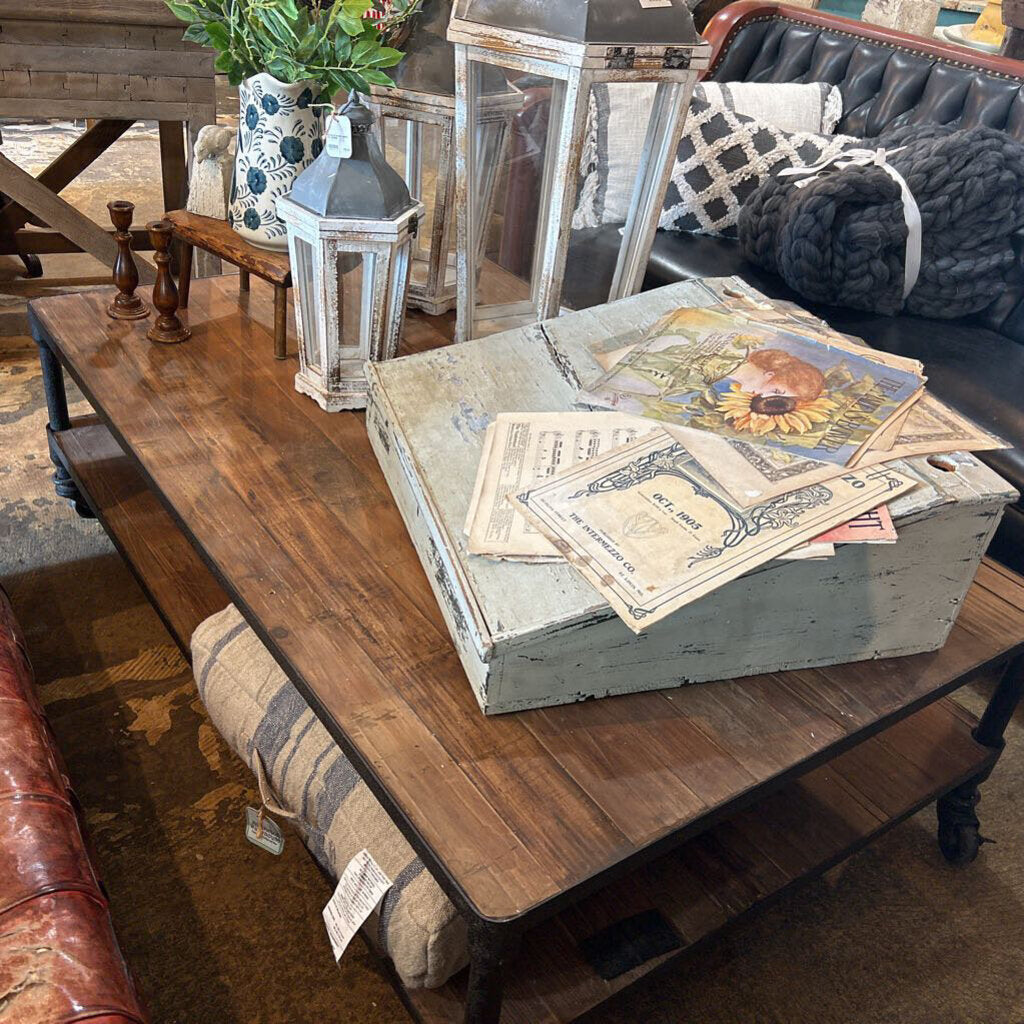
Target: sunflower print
x=735 y=407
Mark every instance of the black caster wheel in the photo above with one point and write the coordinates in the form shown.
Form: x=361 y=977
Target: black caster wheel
x=83 y=509
x=959 y=843
x=33 y=267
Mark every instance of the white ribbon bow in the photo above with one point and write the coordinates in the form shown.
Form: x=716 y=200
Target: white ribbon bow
x=911 y=212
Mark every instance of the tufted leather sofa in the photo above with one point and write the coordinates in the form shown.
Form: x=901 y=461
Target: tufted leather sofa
x=888 y=79
x=59 y=959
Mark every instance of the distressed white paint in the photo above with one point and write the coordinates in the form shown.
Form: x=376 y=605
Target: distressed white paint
x=330 y=366
x=573 y=69
x=531 y=635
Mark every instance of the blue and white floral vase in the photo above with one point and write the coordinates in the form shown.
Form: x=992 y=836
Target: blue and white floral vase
x=280 y=133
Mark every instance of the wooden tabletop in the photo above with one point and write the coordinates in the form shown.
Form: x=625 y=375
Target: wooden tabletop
x=215 y=236
x=287 y=506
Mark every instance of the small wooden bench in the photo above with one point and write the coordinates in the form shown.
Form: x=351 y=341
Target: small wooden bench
x=217 y=237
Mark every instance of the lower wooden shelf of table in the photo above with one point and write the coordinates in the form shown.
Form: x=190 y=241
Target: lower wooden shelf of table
x=801 y=830
x=165 y=564
x=594 y=948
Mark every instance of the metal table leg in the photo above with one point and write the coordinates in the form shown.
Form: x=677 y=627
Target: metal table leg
x=959 y=835
x=492 y=947
x=57 y=407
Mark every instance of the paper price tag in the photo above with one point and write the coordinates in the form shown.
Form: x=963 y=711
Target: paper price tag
x=339 y=137
x=655 y=3
x=361 y=887
x=269 y=837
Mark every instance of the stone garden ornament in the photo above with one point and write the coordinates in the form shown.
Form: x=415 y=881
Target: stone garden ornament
x=213 y=162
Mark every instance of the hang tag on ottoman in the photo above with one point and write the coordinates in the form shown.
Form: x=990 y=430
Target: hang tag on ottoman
x=265 y=833
x=361 y=887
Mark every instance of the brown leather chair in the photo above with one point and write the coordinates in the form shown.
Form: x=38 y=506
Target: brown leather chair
x=59 y=958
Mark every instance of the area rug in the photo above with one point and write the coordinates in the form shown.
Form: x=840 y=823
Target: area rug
x=218 y=931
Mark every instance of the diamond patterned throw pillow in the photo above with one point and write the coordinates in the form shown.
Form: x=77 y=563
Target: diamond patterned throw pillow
x=723 y=156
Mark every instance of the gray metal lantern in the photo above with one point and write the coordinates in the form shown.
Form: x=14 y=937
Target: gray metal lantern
x=416 y=126
x=351 y=223
x=511 y=255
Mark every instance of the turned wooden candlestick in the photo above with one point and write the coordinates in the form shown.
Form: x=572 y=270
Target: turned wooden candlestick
x=168 y=329
x=126 y=305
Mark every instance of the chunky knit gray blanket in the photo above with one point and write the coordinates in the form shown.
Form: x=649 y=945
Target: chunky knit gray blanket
x=840 y=238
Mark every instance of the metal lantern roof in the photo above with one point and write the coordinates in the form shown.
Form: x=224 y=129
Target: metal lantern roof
x=362 y=186
x=662 y=23
x=429 y=62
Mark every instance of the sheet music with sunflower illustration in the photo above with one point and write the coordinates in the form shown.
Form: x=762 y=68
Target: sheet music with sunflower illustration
x=745 y=382
x=650 y=531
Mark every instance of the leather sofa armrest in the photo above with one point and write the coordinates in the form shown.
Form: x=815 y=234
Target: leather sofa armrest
x=59 y=957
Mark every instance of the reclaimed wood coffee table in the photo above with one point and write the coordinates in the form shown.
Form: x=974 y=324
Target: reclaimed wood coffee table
x=585 y=844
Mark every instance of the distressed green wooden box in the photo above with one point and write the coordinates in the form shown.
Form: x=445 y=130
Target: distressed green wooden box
x=534 y=635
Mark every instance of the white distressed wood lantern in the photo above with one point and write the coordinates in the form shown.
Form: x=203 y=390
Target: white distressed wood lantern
x=553 y=54
x=415 y=122
x=416 y=126
x=351 y=224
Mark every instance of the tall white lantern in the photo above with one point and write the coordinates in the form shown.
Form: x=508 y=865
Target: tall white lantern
x=553 y=54
x=416 y=125
x=415 y=122
x=351 y=224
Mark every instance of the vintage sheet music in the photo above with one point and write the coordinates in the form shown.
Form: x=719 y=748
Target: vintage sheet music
x=650 y=532
x=522 y=450
x=751 y=472
x=931 y=428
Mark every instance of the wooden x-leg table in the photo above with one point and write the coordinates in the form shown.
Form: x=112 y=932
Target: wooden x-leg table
x=117 y=63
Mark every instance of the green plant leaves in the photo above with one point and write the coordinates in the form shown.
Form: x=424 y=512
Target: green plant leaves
x=385 y=57
x=375 y=77
x=196 y=33
x=218 y=34
x=184 y=12
x=332 y=43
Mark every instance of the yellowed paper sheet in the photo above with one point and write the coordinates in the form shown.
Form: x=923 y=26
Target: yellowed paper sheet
x=522 y=450
x=751 y=473
x=932 y=428
x=813 y=551
x=884 y=438
x=650 y=532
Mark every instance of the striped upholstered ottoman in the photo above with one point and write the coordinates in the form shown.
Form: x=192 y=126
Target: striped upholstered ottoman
x=266 y=721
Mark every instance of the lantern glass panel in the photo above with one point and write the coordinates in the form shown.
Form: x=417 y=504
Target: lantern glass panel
x=511 y=151
x=304 y=274
x=611 y=181
x=354 y=282
x=413 y=148
x=398 y=269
